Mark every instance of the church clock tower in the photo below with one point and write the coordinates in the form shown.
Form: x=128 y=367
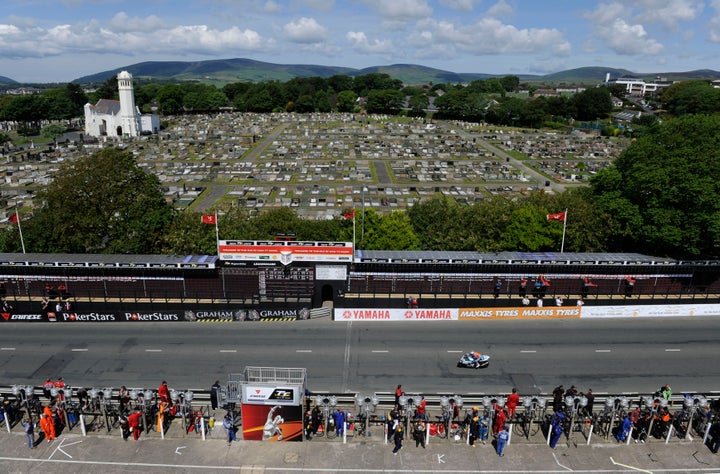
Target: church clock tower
x=129 y=117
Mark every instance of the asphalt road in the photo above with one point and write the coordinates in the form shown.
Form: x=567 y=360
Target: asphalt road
x=610 y=355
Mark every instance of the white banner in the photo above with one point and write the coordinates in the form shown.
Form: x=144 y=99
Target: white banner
x=650 y=311
x=271 y=395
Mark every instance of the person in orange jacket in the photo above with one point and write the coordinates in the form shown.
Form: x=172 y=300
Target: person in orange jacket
x=47 y=424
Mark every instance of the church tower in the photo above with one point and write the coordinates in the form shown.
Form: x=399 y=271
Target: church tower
x=129 y=117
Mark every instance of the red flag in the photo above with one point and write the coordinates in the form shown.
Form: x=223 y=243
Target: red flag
x=14 y=218
x=350 y=214
x=543 y=280
x=209 y=219
x=560 y=216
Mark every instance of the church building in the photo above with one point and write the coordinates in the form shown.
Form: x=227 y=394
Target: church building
x=112 y=118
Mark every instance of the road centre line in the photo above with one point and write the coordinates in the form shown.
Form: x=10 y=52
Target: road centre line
x=153 y=350
x=672 y=350
x=454 y=352
x=303 y=350
x=228 y=350
x=7 y=348
x=380 y=352
x=528 y=352
x=602 y=350
x=79 y=350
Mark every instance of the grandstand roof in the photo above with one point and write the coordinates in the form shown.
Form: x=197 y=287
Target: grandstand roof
x=411 y=256
x=103 y=260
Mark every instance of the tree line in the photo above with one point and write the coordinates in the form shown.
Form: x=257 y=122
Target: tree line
x=493 y=100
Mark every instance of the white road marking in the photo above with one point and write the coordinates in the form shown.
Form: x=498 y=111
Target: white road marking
x=303 y=350
x=629 y=467
x=454 y=352
x=228 y=350
x=602 y=350
x=672 y=350
x=79 y=350
x=7 y=348
x=528 y=352
x=380 y=352
x=153 y=350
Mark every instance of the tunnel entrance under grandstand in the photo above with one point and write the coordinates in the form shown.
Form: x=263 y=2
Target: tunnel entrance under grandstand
x=327 y=293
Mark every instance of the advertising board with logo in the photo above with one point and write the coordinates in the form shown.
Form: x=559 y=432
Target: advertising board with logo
x=465 y=314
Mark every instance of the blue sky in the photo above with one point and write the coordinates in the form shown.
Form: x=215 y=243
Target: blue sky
x=61 y=40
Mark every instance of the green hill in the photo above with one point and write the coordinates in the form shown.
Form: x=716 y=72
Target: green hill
x=224 y=71
x=6 y=81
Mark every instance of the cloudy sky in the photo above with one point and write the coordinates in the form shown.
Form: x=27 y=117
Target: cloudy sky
x=61 y=40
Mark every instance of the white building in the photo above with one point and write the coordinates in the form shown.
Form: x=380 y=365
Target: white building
x=636 y=86
x=112 y=118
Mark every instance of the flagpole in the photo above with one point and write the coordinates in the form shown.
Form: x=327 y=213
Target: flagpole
x=562 y=245
x=17 y=216
x=353 y=214
x=217 y=235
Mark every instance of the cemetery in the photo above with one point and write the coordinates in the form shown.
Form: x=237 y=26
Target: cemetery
x=320 y=164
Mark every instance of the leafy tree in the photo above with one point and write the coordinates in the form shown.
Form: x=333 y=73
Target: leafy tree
x=100 y=203
x=346 y=101
x=374 y=82
x=387 y=101
x=187 y=235
x=322 y=102
x=170 y=99
x=305 y=104
x=592 y=103
x=108 y=90
x=418 y=104
x=27 y=109
x=529 y=231
x=392 y=230
x=59 y=106
x=53 y=131
x=663 y=189
x=340 y=82
x=510 y=83
x=434 y=221
x=691 y=97
x=236 y=89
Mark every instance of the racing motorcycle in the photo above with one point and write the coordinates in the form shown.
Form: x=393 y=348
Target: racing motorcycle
x=474 y=360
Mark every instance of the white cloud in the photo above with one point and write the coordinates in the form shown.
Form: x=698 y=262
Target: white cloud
x=714 y=25
x=490 y=36
x=319 y=5
x=361 y=44
x=460 y=5
x=500 y=9
x=271 y=6
x=91 y=37
x=122 y=22
x=668 y=12
x=609 y=25
x=404 y=10
x=304 y=30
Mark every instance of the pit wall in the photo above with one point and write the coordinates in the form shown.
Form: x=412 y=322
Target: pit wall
x=526 y=312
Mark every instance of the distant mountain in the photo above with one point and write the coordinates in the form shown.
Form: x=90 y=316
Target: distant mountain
x=223 y=71
x=6 y=81
x=585 y=75
x=219 y=71
x=596 y=74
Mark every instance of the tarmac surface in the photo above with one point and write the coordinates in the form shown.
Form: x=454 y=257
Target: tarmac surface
x=178 y=452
